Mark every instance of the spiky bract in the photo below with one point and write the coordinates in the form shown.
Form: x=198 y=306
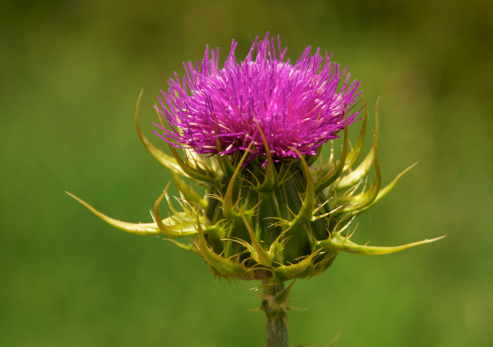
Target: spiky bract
x=251 y=133
x=275 y=222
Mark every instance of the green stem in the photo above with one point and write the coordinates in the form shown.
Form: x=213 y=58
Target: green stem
x=275 y=306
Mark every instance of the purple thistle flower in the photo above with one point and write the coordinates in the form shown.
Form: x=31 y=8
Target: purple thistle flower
x=297 y=107
x=283 y=223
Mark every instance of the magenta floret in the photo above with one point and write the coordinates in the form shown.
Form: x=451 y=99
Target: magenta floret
x=297 y=107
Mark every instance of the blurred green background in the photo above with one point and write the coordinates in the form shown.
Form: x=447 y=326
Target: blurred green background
x=70 y=74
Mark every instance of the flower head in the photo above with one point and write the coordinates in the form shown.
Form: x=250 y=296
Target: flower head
x=297 y=107
x=262 y=217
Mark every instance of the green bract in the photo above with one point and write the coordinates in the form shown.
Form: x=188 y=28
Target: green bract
x=267 y=220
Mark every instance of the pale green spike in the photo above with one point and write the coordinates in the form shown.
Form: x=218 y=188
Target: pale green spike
x=228 y=206
x=142 y=229
x=281 y=222
x=271 y=180
x=166 y=230
x=251 y=211
x=362 y=170
x=189 y=194
x=195 y=160
x=222 y=266
x=198 y=162
x=283 y=173
x=306 y=211
x=342 y=225
x=384 y=191
x=325 y=180
x=190 y=247
x=215 y=229
x=358 y=202
x=299 y=269
x=258 y=184
x=249 y=247
x=260 y=255
x=161 y=157
x=281 y=299
x=190 y=209
x=278 y=245
x=194 y=173
x=169 y=201
x=333 y=211
x=223 y=161
x=356 y=150
x=343 y=244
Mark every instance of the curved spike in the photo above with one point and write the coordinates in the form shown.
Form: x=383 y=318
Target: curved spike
x=271 y=180
x=299 y=269
x=362 y=170
x=278 y=242
x=221 y=266
x=165 y=229
x=342 y=225
x=281 y=299
x=278 y=245
x=223 y=162
x=335 y=173
x=384 y=191
x=228 y=206
x=339 y=243
x=201 y=164
x=160 y=156
x=193 y=173
x=190 y=247
x=189 y=194
x=285 y=174
x=356 y=150
x=249 y=247
x=142 y=229
x=357 y=203
x=306 y=211
x=261 y=256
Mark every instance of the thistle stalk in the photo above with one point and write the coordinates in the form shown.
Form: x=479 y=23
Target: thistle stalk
x=275 y=306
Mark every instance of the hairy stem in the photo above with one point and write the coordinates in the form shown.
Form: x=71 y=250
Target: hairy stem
x=275 y=306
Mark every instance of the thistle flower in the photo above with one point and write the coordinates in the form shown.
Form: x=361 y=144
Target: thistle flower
x=222 y=111
x=252 y=133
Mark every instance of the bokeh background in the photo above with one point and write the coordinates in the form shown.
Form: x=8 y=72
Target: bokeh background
x=70 y=74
